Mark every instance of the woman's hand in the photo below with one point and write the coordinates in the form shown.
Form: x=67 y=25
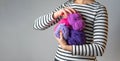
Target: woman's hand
x=61 y=40
x=64 y=12
x=63 y=43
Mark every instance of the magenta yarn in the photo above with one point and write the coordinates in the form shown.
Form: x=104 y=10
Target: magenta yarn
x=63 y=21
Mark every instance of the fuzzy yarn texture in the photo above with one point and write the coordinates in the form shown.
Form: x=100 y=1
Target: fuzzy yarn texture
x=71 y=28
x=63 y=21
x=76 y=21
x=76 y=38
x=64 y=30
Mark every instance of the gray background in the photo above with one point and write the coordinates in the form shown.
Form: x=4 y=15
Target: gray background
x=19 y=42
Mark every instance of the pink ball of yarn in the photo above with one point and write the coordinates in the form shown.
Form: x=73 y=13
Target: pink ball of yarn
x=63 y=21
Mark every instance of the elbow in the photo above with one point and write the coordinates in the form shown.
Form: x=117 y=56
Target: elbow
x=34 y=26
x=101 y=50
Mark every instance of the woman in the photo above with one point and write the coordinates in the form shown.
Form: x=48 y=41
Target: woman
x=96 y=30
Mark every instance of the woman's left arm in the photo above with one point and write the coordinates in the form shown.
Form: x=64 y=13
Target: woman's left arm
x=99 y=37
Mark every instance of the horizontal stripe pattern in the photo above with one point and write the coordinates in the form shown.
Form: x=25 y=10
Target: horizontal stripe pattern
x=66 y=55
x=96 y=31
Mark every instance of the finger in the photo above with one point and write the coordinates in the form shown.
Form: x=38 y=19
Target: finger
x=68 y=11
x=64 y=13
x=61 y=35
x=72 y=10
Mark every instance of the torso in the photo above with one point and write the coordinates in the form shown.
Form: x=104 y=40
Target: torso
x=88 y=12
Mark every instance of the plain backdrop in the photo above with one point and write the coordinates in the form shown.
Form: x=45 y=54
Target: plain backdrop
x=20 y=42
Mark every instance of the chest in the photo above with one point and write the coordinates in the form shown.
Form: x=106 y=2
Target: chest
x=89 y=15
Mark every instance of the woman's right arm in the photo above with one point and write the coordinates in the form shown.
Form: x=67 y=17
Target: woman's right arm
x=45 y=21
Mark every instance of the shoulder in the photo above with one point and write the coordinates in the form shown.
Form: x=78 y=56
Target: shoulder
x=101 y=10
x=68 y=2
x=100 y=6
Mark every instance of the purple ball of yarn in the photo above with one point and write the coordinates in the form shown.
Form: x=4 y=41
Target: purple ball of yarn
x=72 y=29
x=76 y=38
x=76 y=21
x=64 y=30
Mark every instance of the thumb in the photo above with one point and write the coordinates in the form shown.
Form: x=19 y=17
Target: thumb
x=61 y=34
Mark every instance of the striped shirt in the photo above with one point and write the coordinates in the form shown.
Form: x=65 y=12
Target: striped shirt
x=96 y=31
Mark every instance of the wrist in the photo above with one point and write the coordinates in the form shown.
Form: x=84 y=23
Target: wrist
x=64 y=47
x=67 y=47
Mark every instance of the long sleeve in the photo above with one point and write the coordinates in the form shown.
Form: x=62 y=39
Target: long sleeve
x=100 y=33
x=45 y=21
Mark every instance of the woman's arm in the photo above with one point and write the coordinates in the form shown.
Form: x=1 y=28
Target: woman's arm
x=99 y=40
x=45 y=21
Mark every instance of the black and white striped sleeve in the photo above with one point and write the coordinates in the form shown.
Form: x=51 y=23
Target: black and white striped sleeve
x=45 y=21
x=99 y=36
